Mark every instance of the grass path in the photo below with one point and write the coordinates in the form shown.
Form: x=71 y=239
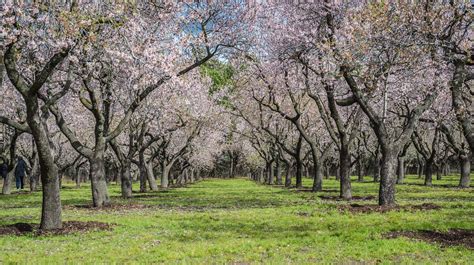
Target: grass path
x=240 y=222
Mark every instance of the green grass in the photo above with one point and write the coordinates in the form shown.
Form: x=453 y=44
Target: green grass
x=239 y=222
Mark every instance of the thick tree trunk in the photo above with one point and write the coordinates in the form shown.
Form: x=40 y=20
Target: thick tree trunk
x=270 y=173
x=400 y=170
x=126 y=179
x=51 y=204
x=165 y=175
x=151 y=176
x=345 y=191
x=100 y=195
x=387 y=176
x=318 y=178
x=465 y=163
x=8 y=182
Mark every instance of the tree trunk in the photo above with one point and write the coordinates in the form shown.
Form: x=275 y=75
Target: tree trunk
x=198 y=175
x=326 y=171
x=429 y=173
x=420 y=168
x=126 y=179
x=465 y=163
x=278 y=172
x=317 y=172
x=270 y=173
x=100 y=195
x=462 y=109
x=144 y=177
x=8 y=181
x=262 y=176
x=400 y=170
x=360 y=171
x=82 y=176
x=387 y=176
x=231 y=169
x=345 y=191
x=439 y=172
x=165 y=175
x=377 y=169
x=192 y=179
x=288 y=176
x=33 y=182
x=318 y=178
x=51 y=204
x=151 y=176
x=299 y=169
x=35 y=174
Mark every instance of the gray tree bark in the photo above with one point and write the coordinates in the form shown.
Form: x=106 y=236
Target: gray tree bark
x=344 y=173
x=465 y=163
x=278 y=172
x=100 y=196
x=400 y=170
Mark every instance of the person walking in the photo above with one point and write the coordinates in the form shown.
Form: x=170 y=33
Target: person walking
x=20 y=172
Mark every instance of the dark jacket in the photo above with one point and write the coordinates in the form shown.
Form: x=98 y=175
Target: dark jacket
x=20 y=169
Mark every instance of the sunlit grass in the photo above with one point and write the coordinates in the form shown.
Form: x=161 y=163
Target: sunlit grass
x=238 y=221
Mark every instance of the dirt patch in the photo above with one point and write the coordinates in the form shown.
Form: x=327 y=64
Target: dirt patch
x=452 y=237
x=68 y=228
x=424 y=206
x=19 y=192
x=354 y=198
x=305 y=214
x=362 y=208
x=110 y=207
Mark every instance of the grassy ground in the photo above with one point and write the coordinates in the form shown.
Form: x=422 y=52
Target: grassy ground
x=239 y=222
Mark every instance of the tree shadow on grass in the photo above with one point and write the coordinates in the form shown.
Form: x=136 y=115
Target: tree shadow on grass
x=434 y=185
x=69 y=227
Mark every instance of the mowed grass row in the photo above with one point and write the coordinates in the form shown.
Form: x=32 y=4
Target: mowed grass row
x=239 y=222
